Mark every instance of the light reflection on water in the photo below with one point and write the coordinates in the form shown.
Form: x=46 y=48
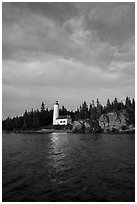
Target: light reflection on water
x=57 y=149
x=57 y=156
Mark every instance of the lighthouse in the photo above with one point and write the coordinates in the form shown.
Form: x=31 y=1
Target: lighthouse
x=60 y=120
x=55 y=113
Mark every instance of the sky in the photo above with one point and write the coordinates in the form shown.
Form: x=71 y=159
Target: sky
x=70 y=52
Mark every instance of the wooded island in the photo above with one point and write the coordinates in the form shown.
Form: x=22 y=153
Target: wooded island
x=114 y=116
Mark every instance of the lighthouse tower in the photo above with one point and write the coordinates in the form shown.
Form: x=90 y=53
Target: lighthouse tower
x=55 y=113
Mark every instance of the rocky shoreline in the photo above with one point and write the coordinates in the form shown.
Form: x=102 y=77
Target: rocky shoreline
x=45 y=131
x=107 y=123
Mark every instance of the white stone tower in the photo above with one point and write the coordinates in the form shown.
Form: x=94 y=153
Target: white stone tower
x=55 y=113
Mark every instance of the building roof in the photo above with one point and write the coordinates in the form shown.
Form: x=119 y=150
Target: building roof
x=63 y=117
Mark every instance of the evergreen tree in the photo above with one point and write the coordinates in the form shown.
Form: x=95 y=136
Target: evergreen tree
x=98 y=109
x=63 y=111
x=108 y=106
x=115 y=104
x=84 y=111
x=25 y=122
x=90 y=107
x=77 y=114
x=42 y=107
x=93 y=114
x=9 y=124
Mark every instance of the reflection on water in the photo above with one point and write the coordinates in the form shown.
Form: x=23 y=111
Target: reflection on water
x=57 y=144
x=57 y=148
x=68 y=167
x=57 y=156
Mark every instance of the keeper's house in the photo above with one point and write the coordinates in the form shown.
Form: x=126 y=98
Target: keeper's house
x=64 y=120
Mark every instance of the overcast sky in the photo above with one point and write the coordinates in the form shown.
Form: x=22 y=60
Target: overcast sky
x=68 y=52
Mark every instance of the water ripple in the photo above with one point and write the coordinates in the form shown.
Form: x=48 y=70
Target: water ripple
x=68 y=167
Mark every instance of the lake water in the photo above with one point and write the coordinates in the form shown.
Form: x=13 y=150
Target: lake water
x=68 y=167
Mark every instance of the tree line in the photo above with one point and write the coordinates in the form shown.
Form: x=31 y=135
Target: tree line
x=34 y=119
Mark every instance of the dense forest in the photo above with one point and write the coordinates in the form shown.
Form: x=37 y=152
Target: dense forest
x=34 y=119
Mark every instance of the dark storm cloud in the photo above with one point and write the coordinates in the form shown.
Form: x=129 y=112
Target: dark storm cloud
x=67 y=46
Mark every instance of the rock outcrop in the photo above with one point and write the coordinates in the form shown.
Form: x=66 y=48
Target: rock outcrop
x=110 y=122
x=85 y=126
x=78 y=126
x=114 y=121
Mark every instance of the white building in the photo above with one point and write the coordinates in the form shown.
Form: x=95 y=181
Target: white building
x=60 y=120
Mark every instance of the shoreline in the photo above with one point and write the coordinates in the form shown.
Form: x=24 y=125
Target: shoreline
x=42 y=131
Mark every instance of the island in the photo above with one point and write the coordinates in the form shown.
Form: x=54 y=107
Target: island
x=114 y=117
